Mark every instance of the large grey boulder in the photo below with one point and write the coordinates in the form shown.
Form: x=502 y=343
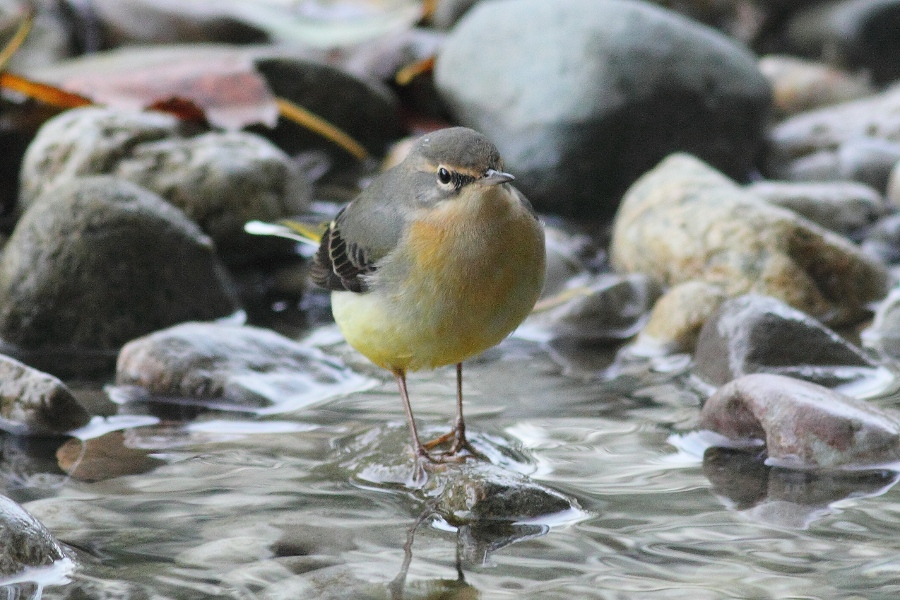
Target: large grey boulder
x=99 y=261
x=582 y=96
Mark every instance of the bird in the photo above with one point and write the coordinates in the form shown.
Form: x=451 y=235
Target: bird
x=437 y=260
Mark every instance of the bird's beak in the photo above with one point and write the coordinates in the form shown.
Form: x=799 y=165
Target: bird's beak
x=493 y=177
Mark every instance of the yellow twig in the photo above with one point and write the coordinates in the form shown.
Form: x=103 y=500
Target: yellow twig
x=318 y=125
x=405 y=75
x=17 y=39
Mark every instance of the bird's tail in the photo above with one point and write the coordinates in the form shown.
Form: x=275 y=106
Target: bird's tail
x=290 y=229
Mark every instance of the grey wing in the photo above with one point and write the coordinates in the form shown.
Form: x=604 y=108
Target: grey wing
x=339 y=264
x=360 y=235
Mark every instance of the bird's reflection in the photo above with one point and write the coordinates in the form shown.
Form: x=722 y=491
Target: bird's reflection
x=475 y=542
x=786 y=497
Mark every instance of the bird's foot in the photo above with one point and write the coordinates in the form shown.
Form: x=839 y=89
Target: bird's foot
x=459 y=451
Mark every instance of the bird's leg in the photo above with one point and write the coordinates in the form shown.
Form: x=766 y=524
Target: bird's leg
x=418 y=447
x=459 y=431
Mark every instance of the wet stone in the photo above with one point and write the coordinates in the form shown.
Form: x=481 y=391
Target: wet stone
x=604 y=99
x=36 y=403
x=759 y=334
x=97 y=262
x=466 y=492
x=602 y=307
x=24 y=541
x=230 y=366
x=801 y=423
x=685 y=221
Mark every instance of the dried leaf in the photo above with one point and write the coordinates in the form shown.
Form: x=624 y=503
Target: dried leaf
x=318 y=125
x=182 y=108
x=42 y=92
x=224 y=84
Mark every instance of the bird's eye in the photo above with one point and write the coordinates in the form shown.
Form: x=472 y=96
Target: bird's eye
x=444 y=176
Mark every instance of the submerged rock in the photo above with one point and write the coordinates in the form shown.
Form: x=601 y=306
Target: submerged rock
x=475 y=490
x=801 y=423
x=685 y=221
x=24 y=541
x=759 y=334
x=35 y=403
x=104 y=457
x=616 y=86
x=97 y=262
x=230 y=366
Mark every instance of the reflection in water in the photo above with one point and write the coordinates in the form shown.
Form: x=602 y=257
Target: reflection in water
x=787 y=497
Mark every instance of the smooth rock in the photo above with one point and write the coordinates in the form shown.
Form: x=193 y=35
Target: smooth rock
x=35 y=403
x=602 y=307
x=447 y=12
x=231 y=366
x=858 y=34
x=802 y=424
x=867 y=160
x=363 y=108
x=882 y=240
x=799 y=85
x=677 y=317
x=892 y=193
x=759 y=334
x=24 y=541
x=883 y=334
x=685 y=221
x=99 y=261
x=220 y=180
x=471 y=491
x=853 y=140
x=617 y=86
x=841 y=206
x=86 y=141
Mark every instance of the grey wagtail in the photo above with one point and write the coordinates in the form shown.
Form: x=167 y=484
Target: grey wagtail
x=436 y=261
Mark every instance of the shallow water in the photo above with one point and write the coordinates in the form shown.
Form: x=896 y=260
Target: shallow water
x=235 y=505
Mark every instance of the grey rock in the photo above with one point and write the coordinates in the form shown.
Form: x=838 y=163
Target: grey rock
x=859 y=34
x=230 y=365
x=617 y=85
x=841 y=206
x=365 y=109
x=220 y=181
x=602 y=307
x=882 y=240
x=99 y=261
x=475 y=491
x=799 y=85
x=803 y=424
x=855 y=140
x=86 y=141
x=684 y=221
x=447 y=12
x=24 y=541
x=35 y=403
x=893 y=186
x=867 y=160
x=884 y=333
x=759 y=334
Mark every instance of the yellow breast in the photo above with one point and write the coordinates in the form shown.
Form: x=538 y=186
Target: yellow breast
x=464 y=275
